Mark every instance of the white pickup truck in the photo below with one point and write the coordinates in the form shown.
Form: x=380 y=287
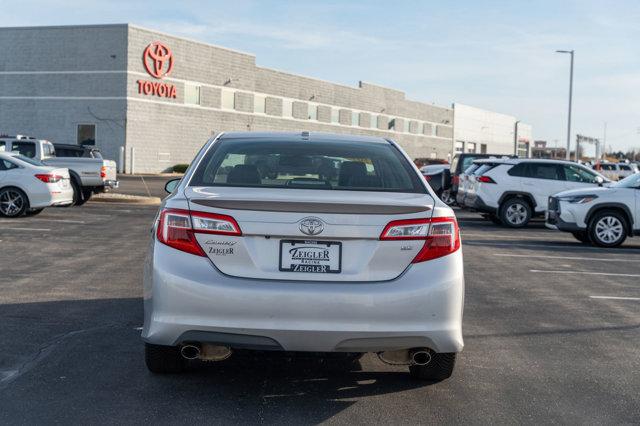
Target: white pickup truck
x=88 y=175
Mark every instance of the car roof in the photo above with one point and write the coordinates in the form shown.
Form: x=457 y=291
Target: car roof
x=302 y=136
x=515 y=161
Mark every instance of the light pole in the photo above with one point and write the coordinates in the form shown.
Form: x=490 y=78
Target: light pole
x=570 y=99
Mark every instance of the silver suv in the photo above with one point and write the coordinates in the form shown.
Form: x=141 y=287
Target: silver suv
x=304 y=242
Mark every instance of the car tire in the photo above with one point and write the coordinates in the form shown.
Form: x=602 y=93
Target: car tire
x=582 y=236
x=78 y=196
x=86 y=194
x=163 y=359
x=608 y=229
x=13 y=202
x=34 y=212
x=515 y=212
x=439 y=368
x=447 y=198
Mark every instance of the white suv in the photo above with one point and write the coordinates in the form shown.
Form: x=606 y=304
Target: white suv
x=603 y=216
x=511 y=191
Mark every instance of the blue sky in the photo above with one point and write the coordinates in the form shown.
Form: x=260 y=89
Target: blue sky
x=497 y=55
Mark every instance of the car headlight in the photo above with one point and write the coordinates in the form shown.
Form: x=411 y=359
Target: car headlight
x=579 y=199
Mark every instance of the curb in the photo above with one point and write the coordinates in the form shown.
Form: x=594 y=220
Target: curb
x=125 y=199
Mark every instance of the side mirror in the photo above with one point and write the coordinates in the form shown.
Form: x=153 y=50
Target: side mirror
x=171 y=185
x=599 y=180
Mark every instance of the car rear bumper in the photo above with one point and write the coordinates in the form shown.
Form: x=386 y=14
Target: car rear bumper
x=187 y=298
x=475 y=202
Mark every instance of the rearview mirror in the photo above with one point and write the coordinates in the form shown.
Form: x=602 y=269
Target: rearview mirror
x=171 y=185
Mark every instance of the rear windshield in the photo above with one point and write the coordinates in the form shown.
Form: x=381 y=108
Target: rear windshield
x=342 y=165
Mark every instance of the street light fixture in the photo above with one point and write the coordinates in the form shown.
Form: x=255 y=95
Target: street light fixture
x=568 y=156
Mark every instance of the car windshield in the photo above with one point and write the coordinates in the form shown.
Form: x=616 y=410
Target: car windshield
x=28 y=160
x=632 y=181
x=339 y=165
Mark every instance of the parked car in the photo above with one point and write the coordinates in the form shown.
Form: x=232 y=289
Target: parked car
x=88 y=175
x=76 y=151
x=368 y=260
x=512 y=191
x=464 y=181
x=604 y=216
x=439 y=179
x=616 y=171
x=27 y=186
x=460 y=163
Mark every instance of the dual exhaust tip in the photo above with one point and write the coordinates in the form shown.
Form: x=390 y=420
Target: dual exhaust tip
x=205 y=352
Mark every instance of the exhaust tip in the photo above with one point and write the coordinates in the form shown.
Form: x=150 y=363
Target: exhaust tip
x=190 y=351
x=421 y=357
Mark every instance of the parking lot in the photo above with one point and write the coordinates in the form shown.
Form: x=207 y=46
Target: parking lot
x=551 y=332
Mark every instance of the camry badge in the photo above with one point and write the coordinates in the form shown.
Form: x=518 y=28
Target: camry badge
x=311 y=226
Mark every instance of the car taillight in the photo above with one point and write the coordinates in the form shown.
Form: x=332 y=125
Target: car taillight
x=441 y=235
x=177 y=228
x=103 y=172
x=485 y=179
x=49 y=178
x=427 y=177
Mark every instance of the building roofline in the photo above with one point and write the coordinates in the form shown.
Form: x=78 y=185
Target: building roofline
x=46 y=27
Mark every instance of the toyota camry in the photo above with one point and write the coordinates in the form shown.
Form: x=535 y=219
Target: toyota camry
x=304 y=242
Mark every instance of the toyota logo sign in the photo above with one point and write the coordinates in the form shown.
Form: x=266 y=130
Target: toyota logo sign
x=158 y=59
x=311 y=225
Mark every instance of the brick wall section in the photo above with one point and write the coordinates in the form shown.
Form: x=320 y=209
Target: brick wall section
x=210 y=97
x=383 y=122
x=324 y=113
x=414 y=127
x=301 y=110
x=243 y=102
x=273 y=106
x=399 y=125
x=344 y=117
x=427 y=129
x=364 y=120
x=444 y=132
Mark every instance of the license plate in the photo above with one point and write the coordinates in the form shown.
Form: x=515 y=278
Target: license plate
x=321 y=257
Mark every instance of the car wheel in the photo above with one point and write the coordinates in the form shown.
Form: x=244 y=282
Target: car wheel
x=163 y=359
x=582 y=236
x=608 y=229
x=515 y=213
x=78 y=196
x=33 y=212
x=13 y=202
x=447 y=198
x=86 y=194
x=439 y=368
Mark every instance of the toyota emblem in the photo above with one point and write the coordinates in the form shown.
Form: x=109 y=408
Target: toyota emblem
x=311 y=226
x=158 y=59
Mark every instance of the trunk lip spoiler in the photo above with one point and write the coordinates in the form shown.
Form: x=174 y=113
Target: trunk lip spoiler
x=312 y=207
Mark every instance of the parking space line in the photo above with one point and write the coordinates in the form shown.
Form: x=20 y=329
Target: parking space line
x=535 y=256
x=614 y=297
x=506 y=237
x=607 y=274
x=25 y=229
x=50 y=220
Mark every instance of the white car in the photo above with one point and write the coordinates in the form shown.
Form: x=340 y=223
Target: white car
x=304 y=242
x=27 y=186
x=603 y=216
x=616 y=171
x=512 y=191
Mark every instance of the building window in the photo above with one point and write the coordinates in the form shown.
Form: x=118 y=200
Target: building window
x=355 y=118
x=373 y=122
x=471 y=147
x=392 y=124
x=259 y=104
x=86 y=134
x=335 y=115
x=228 y=99
x=405 y=126
x=313 y=112
x=191 y=94
x=459 y=146
x=287 y=108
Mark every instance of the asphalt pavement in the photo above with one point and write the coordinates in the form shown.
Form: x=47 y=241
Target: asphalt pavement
x=551 y=330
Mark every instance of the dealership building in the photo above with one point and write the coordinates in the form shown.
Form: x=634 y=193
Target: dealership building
x=150 y=100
